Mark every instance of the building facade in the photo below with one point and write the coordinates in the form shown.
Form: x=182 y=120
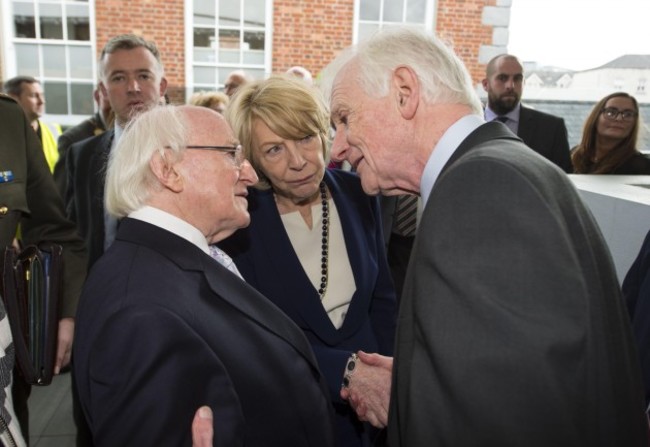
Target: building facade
x=202 y=41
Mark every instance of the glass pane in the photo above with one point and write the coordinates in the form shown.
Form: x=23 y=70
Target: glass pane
x=229 y=56
x=51 y=21
x=81 y=62
x=254 y=57
x=205 y=75
x=369 y=10
x=24 y=20
x=81 y=96
x=204 y=38
x=54 y=61
x=229 y=39
x=366 y=30
x=56 y=97
x=204 y=55
x=78 y=22
x=253 y=40
x=204 y=12
x=254 y=14
x=393 y=10
x=258 y=74
x=229 y=12
x=27 y=59
x=415 y=10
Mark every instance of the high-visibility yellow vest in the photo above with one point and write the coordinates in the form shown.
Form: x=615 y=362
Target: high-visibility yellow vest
x=49 y=136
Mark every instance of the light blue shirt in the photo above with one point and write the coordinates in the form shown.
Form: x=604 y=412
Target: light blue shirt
x=443 y=151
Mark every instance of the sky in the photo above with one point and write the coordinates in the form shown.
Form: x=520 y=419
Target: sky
x=578 y=34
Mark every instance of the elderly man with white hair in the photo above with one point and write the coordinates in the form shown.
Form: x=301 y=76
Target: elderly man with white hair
x=166 y=324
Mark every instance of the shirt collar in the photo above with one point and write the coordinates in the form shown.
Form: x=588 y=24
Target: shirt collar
x=171 y=223
x=513 y=115
x=444 y=149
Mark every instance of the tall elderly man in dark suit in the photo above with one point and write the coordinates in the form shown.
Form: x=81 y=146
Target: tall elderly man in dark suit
x=544 y=133
x=166 y=324
x=512 y=330
x=28 y=196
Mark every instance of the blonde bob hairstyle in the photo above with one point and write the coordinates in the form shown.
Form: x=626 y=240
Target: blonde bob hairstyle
x=129 y=180
x=291 y=108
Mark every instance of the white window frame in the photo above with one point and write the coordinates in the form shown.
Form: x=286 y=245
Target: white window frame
x=190 y=85
x=9 y=51
x=428 y=25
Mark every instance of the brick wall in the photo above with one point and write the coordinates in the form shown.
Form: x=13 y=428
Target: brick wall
x=161 y=21
x=460 y=24
x=310 y=32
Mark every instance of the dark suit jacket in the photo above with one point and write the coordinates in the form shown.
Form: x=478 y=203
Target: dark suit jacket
x=32 y=197
x=265 y=257
x=163 y=328
x=86 y=170
x=636 y=289
x=547 y=135
x=88 y=128
x=512 y=330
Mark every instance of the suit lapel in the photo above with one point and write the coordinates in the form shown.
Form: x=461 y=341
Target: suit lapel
x=226 y=286
x=525 y=130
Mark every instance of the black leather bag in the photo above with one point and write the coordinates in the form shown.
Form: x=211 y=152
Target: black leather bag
x=31 y=287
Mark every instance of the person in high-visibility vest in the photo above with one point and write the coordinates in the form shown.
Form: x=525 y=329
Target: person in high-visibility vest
x=28 y=92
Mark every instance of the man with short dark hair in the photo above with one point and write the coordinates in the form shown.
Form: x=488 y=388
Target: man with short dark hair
x=28 y=92
x=544 y=133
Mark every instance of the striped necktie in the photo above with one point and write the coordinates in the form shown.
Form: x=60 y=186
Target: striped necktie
x=405 y=222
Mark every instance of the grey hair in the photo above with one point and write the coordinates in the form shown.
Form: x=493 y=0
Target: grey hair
x=129 y=42
x=129 y=179
x=442 y=75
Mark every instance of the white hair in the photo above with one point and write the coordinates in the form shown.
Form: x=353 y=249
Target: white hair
x=442 y=75
x=129 y=179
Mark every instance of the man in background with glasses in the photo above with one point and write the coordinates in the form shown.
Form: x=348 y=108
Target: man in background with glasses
x=545 y=134
x=165 y=322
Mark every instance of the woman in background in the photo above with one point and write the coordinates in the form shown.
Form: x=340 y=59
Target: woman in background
x=315 y=246
x=609 y=139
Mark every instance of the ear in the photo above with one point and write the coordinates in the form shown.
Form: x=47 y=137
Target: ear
x=163 y=86
x=485 y=84
x=102 y=87
x=407 y=88
x=166 y=172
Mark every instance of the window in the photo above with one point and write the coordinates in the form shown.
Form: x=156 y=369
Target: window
x=226 y=35
x=52 y=41
x=640 y=87
x=371 y=15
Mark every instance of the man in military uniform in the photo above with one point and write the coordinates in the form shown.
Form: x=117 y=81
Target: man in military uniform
x=28 y=196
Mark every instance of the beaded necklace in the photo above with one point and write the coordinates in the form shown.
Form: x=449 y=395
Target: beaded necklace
x=324 y=247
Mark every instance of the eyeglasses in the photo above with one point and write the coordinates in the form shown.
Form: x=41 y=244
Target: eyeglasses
x=236 y=153
x=612 y=113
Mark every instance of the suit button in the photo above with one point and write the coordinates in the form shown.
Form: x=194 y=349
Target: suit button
x=3 y=210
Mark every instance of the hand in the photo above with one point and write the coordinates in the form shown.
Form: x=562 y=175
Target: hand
x=64 y=344
x=202 y=430
x=369 y=389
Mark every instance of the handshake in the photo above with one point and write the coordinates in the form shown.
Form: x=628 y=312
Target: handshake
x=366 y=388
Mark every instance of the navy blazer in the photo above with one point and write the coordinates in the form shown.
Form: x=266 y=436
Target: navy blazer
x=86 y=170
x=264 y=255
x=162 y=329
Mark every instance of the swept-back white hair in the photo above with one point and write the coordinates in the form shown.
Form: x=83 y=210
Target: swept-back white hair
x=442 y=75
x=129 y=179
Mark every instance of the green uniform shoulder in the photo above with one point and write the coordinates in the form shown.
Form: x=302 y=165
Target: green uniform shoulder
x=6 y=97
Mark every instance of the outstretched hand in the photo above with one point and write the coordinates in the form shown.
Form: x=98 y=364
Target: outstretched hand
x=369 y=390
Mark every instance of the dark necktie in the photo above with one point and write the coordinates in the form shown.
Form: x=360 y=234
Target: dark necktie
x=406 y=215
x=503 y=119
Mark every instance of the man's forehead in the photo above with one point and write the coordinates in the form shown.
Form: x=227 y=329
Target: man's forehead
x=508 y=66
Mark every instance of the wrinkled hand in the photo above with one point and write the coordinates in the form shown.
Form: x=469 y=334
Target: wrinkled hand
x=369 y=390
x=202 y=431
x=64 y=344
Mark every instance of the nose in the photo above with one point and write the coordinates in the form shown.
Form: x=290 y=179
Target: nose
x=133 y=85
x=247 y=174
x=339 y=151
x=296 y=159
x=40 y=99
